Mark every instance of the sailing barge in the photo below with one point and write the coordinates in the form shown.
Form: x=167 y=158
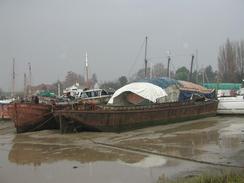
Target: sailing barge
x=142 y=104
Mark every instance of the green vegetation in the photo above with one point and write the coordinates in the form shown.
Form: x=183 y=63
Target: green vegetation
x=227 y=177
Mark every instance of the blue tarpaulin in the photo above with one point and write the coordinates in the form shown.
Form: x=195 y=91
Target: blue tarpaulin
x=162 y=82
x=186 y=95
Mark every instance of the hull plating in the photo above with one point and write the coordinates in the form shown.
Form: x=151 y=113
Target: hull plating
x=122 y=119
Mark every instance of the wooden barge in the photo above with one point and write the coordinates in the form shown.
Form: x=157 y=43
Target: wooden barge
x=32 y=117
x=119 y=119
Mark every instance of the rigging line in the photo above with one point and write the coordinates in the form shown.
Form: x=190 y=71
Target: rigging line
x=138 y=150
x=40 y=125
x=173 y=66
x=136 y=58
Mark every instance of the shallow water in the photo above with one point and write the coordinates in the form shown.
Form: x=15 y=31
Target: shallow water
x=135 y=156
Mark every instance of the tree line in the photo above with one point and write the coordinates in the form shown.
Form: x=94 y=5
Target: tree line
x=231 y=61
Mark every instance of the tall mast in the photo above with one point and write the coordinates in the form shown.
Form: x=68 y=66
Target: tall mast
x=196 y=60
x=145 y=59
x=192 y=59
x=168 y=71
x=59 y=90
x=13 y=79
x=86 y=68
x=25 y=85
x=29 y=65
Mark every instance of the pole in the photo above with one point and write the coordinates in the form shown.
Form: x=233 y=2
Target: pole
x=13 y=79
x=168 y=75
x=59 y=93
x=145 y=59
x=192 y=59
x=30 y=90
x=87 y=69
x=25 y=85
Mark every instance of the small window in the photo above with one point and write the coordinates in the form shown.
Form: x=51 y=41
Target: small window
x=83 y=95
x=89 y=94
x=104 y=92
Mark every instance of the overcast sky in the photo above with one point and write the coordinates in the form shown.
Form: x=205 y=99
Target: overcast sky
x=55 y=34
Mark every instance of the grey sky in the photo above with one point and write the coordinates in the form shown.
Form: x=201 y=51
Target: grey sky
x=55 y=34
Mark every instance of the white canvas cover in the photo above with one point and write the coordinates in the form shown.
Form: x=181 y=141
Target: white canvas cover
x=148 y=91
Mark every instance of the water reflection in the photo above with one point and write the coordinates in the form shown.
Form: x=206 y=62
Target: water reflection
x=210 y=139
x=37 y=154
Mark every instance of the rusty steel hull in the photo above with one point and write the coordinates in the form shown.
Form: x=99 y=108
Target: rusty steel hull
x=4 y=113
x=118 y=119
x=32 y=117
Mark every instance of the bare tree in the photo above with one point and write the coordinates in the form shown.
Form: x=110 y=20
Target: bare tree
x=239 y=46
x=159 y=70
x=72 y=78
x=227 y=62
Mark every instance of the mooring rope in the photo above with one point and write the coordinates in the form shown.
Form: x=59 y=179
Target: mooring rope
x=137 y=150
x=40 y=125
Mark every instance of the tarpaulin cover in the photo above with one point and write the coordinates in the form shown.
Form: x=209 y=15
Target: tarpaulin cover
x=160 y=90
x=187 y=95
x=162 y=82
x=189 y=86
x=146 y=90
x=188 y=89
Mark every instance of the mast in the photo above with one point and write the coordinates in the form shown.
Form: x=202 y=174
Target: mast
x=145 y=58
x=168 y=72
x=29 y=65
x=13 y=79
x=25 y=85
x=192 y=59
x=59 y=90
x=196 y=60
x=86 y=69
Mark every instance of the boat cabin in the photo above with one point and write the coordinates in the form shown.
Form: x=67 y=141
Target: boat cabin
x=93 y=93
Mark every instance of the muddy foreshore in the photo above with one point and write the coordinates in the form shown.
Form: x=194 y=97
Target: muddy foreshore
x=145 y=155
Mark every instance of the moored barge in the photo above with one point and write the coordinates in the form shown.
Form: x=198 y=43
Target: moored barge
x=119 y=119
x=32 y=117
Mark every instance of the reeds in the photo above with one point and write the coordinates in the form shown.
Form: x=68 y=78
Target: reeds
x=222 y=177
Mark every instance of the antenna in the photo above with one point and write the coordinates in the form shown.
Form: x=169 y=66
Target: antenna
x=145 y=59
x=13 y=79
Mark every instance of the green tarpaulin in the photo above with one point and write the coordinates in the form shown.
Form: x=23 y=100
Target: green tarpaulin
x=46 y=94
x=223 y=86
